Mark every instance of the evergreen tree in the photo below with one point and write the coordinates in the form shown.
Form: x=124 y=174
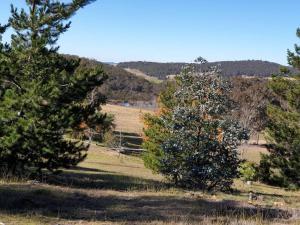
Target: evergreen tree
x=282 y=165
x=43 y=94
x=200 y=148
x=294 y=57
x=155 y=131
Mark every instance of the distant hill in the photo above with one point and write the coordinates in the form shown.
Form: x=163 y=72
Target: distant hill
x=139 y=73
x=141 y=81
x=111 y=63
x=229 y=68
x=122 y=85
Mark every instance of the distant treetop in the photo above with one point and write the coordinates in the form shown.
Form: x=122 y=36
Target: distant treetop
x=229 y=68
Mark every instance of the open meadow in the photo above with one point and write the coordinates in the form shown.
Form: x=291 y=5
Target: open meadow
x=113 y=188
x=127 y=119
x=130 y=120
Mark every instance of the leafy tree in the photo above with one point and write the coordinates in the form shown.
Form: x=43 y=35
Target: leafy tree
x=44 y=94
x=200 y=148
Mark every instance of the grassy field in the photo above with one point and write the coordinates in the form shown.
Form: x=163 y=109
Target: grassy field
x=139 y=73
x=127 y=119
x=111 y=188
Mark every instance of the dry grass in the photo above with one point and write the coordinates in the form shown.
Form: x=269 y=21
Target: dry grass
x=127 y=119
x=252 y=152
x=111 y=188
x=108 y=188
x=139 y=73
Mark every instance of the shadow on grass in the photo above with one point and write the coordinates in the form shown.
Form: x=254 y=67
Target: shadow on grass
x=85 y=178
x=51 y=202
x=111 y=164
x=80 y=168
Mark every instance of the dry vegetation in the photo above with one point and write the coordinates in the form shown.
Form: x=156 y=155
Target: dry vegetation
x=109 y=188
x=112 y=188
x=139 y=73
x=127 y=119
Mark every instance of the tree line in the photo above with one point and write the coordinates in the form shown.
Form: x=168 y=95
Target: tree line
x=256 y=68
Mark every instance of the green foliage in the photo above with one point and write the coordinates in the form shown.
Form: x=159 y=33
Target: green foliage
x=282 y=166
x=43 y=94
x=294 y=57
x=155 y=131
x=248 y=171
x=97 y=132
x=283 y=133
x=198 y=145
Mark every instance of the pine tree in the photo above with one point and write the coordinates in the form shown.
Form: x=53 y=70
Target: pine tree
x=294 y=57
x=282 y=165
x=3 y=48
x=154 y=130
x=43 y=94
x=200 y=149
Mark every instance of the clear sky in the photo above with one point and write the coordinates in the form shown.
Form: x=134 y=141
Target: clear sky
x=180 y=30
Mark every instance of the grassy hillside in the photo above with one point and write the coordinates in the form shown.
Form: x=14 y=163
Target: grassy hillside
x=139 y=73
x=127 y=119
x=229 y=68
x=122 y=85
x=112 y=188
x=109 y=188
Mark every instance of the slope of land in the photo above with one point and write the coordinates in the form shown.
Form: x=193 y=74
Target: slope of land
x=127 y=119
x=121 y=85
x=111 y=188
x=143 y=75
x=229 y=68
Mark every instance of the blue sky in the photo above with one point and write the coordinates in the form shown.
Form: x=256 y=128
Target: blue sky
x=180 y=30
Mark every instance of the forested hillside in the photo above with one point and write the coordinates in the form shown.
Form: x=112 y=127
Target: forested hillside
x=229 y=68
x=125 y=86
x=122 y=85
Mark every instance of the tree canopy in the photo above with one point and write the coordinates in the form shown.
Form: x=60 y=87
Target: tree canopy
x=43 y=94
x=282 y=165
x=197 y=145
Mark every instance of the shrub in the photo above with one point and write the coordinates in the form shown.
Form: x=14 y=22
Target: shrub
x=248 y=171
x=200 y=148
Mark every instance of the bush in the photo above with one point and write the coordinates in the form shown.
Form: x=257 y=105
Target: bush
x=248 y=171
x=110 y=140
x=200 y=146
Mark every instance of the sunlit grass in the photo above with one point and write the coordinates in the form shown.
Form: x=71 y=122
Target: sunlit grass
x=111 y=188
